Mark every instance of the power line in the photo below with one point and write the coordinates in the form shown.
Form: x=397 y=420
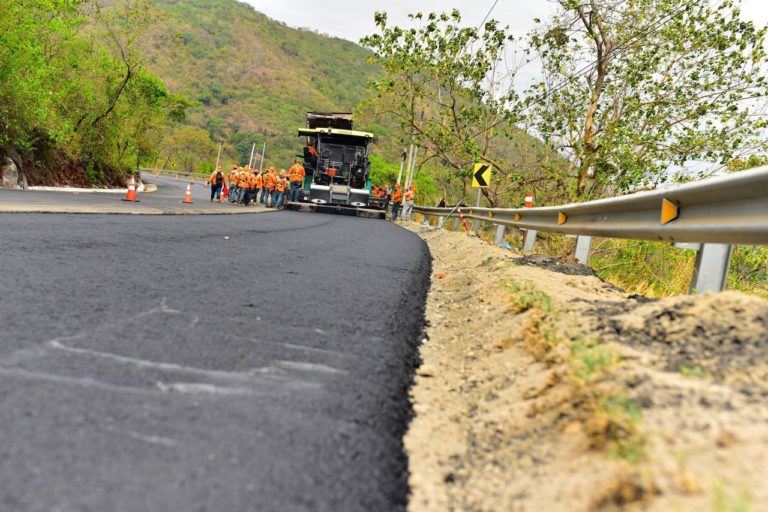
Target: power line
x=488 y=15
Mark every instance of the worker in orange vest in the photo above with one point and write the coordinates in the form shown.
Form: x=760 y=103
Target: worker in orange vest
x=408 y=200
x=243 y=184
x=270 y=180
x=251 y=191
x=258 y=184
x=397 y=199
x=217 y=182
x=281 y=185
x=232 y=181
x=296 y=174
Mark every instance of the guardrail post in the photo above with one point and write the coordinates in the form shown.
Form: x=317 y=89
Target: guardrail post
x=501 y=230
x=583 y=246
x=440 y=222
x=711 y=273
x=456 y=221
x=530 y=240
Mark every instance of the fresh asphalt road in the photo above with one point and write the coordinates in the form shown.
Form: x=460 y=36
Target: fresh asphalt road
x=150 y=363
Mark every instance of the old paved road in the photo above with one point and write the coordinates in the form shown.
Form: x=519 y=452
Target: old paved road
x=167 y=199
x=149 y=364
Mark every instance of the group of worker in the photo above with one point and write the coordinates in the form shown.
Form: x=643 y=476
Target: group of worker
x=398 y=198
x=247 y=186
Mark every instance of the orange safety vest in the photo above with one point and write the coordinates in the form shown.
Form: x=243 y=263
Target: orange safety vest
x=297 y=173
x=409 y=195
x=269 y=181
x=397 y=196
x=244 y=180
x=281 y=184
x=259 y=181
x=214 y=180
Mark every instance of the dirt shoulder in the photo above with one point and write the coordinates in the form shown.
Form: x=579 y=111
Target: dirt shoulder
x=544 y=388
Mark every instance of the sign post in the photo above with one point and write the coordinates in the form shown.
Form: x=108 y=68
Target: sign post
x=481 y=178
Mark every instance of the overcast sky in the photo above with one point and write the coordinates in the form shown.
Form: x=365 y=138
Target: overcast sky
x=352 y=19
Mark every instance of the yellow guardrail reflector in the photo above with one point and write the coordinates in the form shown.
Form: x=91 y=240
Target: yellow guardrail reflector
x=562 y=218
x=471 y=212
x=669 y=211
x=490 y=215
x=518 y=217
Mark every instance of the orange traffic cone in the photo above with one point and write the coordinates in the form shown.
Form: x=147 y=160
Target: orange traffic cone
x=188 y=194
x=131 y=194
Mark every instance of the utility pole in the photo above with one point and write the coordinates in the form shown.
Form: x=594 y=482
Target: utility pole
x=218 y=158
x=412 y=170
x=250 y=160
x=263 y=152
x=476 y=224
x=402 y=164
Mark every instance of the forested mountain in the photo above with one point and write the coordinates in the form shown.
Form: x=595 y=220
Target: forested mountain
x=250 y=74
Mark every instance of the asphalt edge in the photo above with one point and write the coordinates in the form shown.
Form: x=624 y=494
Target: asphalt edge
x=409 y=329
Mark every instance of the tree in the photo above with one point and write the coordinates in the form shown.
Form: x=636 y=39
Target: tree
x=632 y=87
x=444 y=85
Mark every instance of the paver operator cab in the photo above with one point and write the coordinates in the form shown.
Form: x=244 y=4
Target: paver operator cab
x=335 y=159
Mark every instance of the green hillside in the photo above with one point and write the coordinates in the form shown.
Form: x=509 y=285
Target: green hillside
x=251 y=74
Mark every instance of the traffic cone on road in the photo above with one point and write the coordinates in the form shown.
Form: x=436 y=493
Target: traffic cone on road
x=131 y=194
x=188 y=194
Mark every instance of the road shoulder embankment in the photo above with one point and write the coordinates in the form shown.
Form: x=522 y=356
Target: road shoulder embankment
x=544 y=388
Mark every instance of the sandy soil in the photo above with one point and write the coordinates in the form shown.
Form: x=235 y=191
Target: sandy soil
x=543 y=388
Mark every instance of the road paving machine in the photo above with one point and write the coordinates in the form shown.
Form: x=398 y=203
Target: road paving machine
x=335 y=158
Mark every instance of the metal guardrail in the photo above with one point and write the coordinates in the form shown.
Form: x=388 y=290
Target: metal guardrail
x=176 y=174
x=714 y=212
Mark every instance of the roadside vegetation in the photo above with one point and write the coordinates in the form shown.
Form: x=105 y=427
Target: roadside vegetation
x=76 y=101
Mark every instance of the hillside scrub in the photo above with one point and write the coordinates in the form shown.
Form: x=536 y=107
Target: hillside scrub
x=253 y=78
x=77 y=105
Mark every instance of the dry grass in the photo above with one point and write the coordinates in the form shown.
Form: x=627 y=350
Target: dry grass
x=608 y=418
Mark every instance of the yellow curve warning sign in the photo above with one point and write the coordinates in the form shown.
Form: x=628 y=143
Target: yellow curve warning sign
x=481 y=176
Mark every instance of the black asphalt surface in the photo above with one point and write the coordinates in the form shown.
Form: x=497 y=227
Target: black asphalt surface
x=147 y=363
x=168 y=197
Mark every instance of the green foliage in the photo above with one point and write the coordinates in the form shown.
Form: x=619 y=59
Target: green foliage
x=383 y=172
x=631 y=88
x=727 y=499
x=624 y=416
x=654 y=269
x=527 y=297
x=75 y=94
x=749 y=270
x=591 y=357
x=441 y=86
